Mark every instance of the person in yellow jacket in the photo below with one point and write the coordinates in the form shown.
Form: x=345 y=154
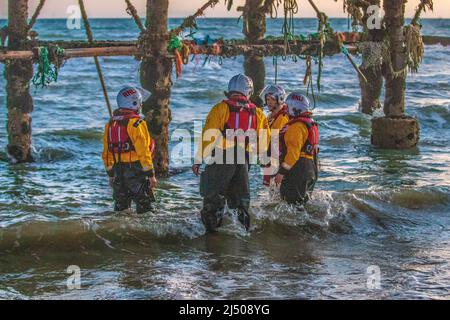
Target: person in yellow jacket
x=226 y=181
x=274 y=97
x=299 y=152
x=127 y=153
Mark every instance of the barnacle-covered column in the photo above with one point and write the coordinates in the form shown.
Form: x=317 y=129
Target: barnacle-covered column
x=254 y=29
x=18 y=74
x=395 y=130
x=372 y=59
x=156 y=71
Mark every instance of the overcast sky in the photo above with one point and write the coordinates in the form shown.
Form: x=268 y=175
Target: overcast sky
x=182 y=8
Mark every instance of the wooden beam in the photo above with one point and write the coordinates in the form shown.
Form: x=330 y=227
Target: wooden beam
x=81 y=49
x=16 y=55
x=428 y=40
x=225 y=51
x=101 y=52
x=85 y=44
x=74 y=53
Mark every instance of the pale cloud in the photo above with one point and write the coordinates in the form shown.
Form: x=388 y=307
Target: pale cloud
x=182 y=8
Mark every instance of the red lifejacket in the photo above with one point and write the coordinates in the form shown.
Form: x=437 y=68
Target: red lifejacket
x=242 y=114
x=311 y=146
x=118 y=139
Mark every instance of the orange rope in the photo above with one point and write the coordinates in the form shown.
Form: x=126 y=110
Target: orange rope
x=178 y=63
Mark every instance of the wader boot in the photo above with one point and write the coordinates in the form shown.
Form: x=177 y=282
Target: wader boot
x=131 y=185
x=299 y=182
x=244 y=218
x=211 y=218
x=225 y=183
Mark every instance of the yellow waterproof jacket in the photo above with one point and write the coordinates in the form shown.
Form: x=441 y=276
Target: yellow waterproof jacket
x=140 y=136
x=294 y=138
x=279 y=123
x=217 y=120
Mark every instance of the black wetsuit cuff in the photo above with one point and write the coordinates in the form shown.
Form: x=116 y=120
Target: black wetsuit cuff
x=150 y=173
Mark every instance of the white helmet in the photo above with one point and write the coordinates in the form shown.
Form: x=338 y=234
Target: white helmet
x=132 y=98
x=276 y=92
x=241 y=84
x=297 y=104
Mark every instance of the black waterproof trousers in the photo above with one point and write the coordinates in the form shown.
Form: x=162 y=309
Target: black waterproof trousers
x=299 y=182
x=224 y=184
x=131 y=185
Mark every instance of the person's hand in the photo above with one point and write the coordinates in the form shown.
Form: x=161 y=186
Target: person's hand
x=279 y=179
x=153 y=183
x=196 y=169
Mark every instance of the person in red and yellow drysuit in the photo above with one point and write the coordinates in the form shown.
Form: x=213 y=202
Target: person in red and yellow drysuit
x=227 y=182
x=299 y=140
x=127 y=153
